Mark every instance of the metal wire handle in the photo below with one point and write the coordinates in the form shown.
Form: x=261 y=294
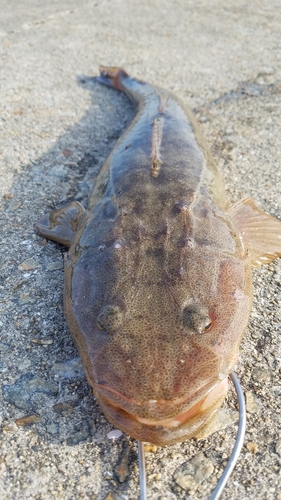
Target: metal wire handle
x=238 y=443
x=142 y=471
x=233 y=457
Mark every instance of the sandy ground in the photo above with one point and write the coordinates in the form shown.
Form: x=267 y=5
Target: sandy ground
x=57 y=127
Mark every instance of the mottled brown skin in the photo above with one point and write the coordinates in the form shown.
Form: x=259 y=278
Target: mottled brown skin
x=157 y=276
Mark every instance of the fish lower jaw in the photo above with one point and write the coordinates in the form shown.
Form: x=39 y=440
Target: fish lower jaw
x=194 y=423
x=200 y=407
x=170 y=423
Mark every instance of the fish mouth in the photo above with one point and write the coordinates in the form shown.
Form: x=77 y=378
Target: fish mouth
x=157 y=428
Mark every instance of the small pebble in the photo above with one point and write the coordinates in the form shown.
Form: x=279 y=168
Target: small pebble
x=114 y=434
x=251 y=403
x=223 y=419
x=28 y=265
x=63 y=409
x=42 y=341
x=73 y=368
x=151 y=448
x=54 y=266
x=91 y=427
x=66 y=152
x=260 y=375
x=17 y=285
x=23 y=364
x=25 y=299
x=77 y=437
x=109 y=496
x=52 y=428
x=28 y=420
x=14 y=205
x=253 y=447
x=58 y=171
x=8 y=428
x=190 y=475
x=122 y=468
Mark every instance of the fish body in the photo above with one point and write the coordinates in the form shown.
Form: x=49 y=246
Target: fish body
x=158 y=286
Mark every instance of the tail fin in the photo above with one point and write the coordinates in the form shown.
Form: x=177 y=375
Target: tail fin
x=112 y=76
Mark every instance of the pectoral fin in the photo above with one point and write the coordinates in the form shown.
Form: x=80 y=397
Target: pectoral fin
x=260 y=232
x=61 y=225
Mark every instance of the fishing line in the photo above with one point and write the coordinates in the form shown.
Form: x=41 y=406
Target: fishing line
x=233 y=457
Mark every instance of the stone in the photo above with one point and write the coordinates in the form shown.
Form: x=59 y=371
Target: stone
x=63 y=409
x=28 y=265
x=73 y=368
x=55 y=266
x=190 y=475
x=28 y=420
x=114 y=434
x=77 y=437
x=251 y=403
x=52 y=428
x=122 y=468
x=19 y=394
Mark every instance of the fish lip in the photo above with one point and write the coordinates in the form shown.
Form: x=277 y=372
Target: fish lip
x=135 y=408
x=172 y=430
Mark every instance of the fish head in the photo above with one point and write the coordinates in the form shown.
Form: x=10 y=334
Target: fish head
x=158 y=346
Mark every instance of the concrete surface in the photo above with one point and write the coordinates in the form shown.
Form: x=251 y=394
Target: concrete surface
x=57 y=127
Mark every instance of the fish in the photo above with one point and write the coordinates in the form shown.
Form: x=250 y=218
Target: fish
x=158 y=272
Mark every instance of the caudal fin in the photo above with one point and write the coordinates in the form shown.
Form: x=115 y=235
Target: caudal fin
x=112 y=76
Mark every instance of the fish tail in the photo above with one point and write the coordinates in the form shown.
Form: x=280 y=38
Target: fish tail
x=112 y=76
x=117 y=78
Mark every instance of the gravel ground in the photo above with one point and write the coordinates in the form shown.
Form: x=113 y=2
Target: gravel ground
x=58 y=126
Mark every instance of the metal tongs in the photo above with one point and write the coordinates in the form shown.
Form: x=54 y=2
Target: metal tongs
x=233 y=457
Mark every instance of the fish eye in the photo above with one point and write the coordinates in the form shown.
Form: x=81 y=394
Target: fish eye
x=109 y=319
x=197 y=319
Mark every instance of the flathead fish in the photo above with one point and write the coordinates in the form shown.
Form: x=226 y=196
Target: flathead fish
x=158 y=285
